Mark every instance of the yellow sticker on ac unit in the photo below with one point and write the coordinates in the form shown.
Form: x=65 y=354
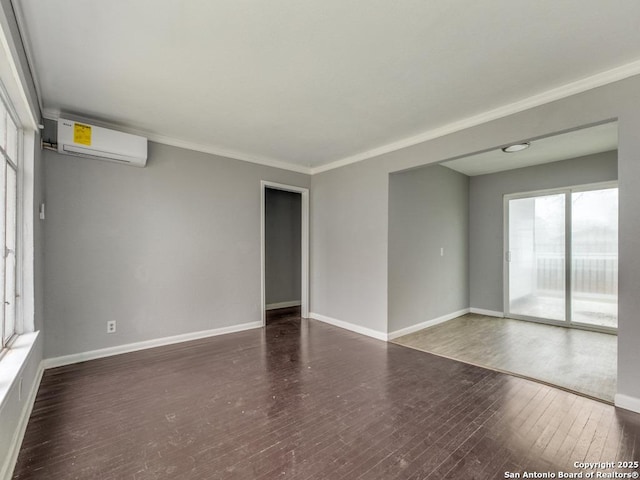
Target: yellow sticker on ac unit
x=82 y=134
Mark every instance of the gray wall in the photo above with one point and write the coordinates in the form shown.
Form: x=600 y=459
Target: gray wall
x=428 y=210
x=169 y=249
x=349 y=217
x=486 y=218
x=349 y=245
x=282 y=246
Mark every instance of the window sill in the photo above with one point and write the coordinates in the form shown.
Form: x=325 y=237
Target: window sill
x=13 y=362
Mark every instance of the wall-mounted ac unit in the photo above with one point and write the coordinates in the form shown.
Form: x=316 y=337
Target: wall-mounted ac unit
x=84 y=140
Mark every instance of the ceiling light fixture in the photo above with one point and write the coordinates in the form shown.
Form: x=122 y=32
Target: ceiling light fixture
x=516 y=147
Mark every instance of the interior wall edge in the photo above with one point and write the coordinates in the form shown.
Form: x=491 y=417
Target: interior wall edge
x=488 y=313
x=627 y=402
x=349 y=326
x=428 y=245
x=428 y=323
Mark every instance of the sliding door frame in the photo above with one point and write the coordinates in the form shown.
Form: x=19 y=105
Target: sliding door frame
x=567 y=191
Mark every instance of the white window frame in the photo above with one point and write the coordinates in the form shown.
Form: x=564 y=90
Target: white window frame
x=16 y=164
x=16 y=101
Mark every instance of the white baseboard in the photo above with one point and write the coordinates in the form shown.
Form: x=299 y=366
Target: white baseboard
x=627 y=402
x=132 y=347
x=349 y=326
x=489 y=313
x=428 y=323
x=6 y=472
x=275 y=306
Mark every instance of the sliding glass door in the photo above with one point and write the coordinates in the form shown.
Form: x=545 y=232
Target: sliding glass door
x=594 y=252
x=536 y=256
x=561 y=257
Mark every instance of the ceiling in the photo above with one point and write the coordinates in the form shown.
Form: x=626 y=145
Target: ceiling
x=308 y=84
x=577 y=143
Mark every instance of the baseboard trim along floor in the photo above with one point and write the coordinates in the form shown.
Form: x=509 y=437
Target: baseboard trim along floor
x=132 y=347
x=429 y=323
x=627 y=402
x=488 y=313
x=350 y=326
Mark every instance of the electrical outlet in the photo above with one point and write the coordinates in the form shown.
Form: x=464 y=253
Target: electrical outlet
x=111 y=326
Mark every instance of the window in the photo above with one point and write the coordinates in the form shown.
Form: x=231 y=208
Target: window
x=9 y=155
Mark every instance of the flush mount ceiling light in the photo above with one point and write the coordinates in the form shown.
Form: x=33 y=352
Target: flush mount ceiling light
x=516 y=147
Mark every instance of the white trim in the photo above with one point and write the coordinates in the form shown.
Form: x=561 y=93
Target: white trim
x=304 y=247
x=275 y=306
x=349 y=326
x=488 y=313
x=627 y=402
x=233 y=154
x=568 y=257
x=429 y=323
x=6 y=472
x=505 y=255
x=598 y=80
x=133 y=347
x=187 y=145
x=13 y=362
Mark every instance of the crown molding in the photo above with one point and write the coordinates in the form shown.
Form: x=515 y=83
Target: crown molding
x=28 y=50
x=588 y=83
x=52 y=114
x=548 y=96
x=14 y=77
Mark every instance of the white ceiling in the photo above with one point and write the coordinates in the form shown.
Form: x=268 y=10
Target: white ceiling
x=309 y=83
x=577 y=143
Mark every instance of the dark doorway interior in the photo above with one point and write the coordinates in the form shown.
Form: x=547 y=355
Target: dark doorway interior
x=283 y=276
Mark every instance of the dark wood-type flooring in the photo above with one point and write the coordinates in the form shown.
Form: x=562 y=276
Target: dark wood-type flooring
x=303 y=400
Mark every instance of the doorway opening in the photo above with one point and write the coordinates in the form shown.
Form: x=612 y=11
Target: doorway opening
x=284 y=251
x=561 y=256
x=452 y=289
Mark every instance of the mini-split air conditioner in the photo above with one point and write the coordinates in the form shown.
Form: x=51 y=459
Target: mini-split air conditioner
x=90 y=141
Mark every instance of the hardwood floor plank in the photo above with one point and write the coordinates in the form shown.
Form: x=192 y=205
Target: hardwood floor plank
x=305 y=400
x=426 y=444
